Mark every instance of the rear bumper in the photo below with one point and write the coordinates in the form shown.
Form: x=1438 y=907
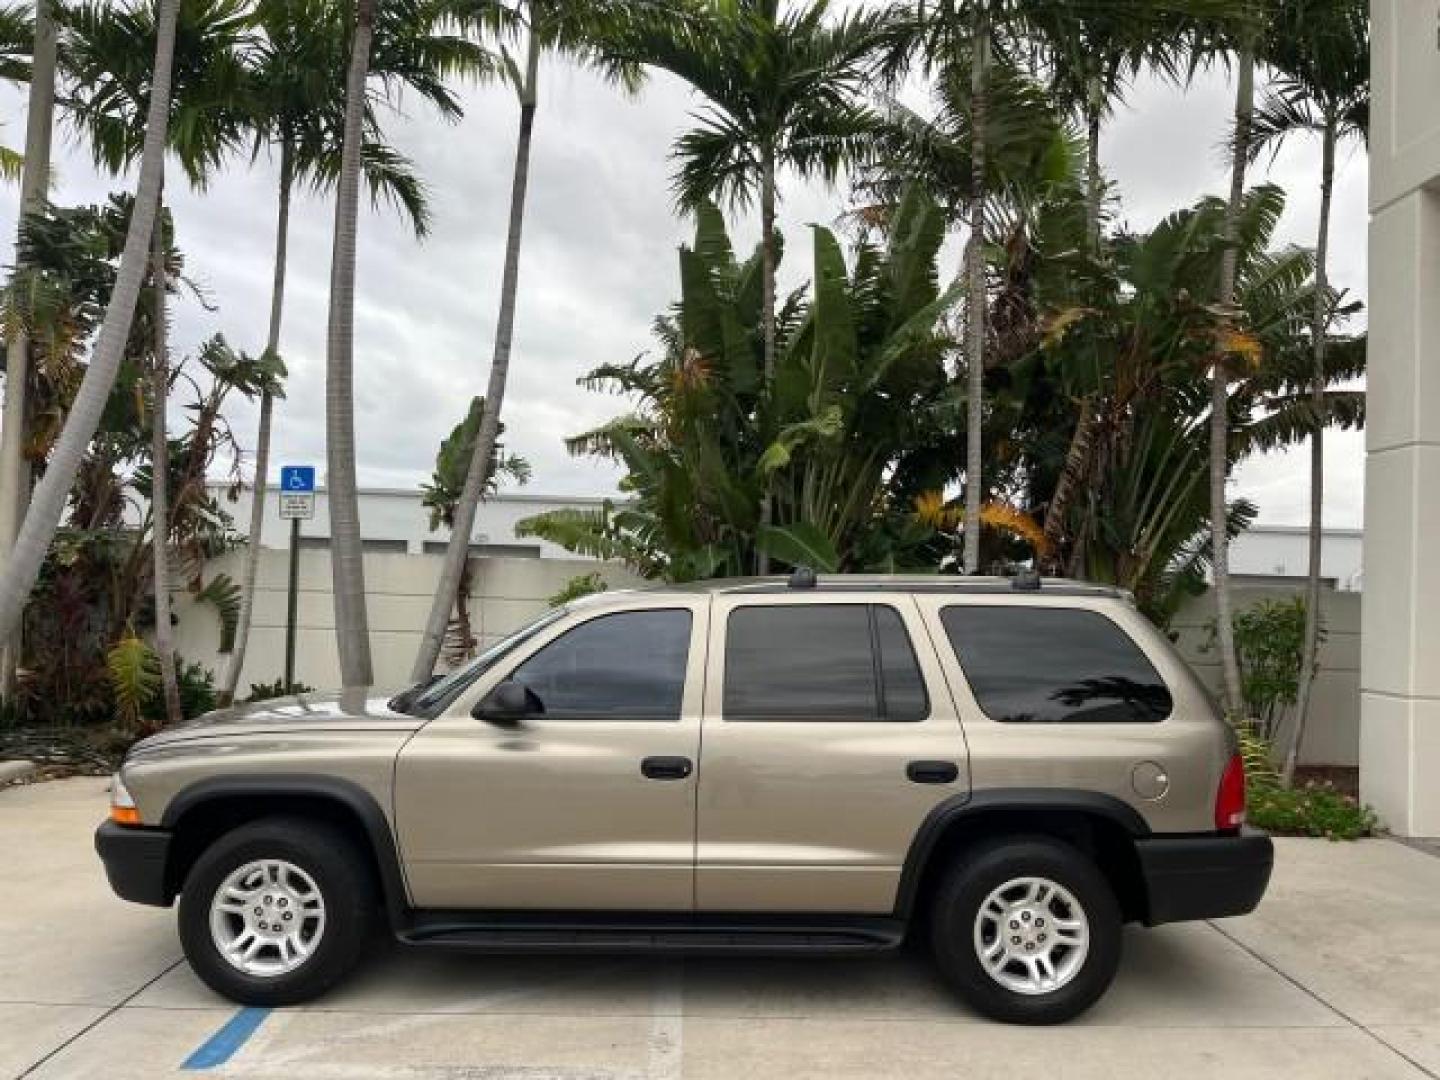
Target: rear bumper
x=1204 y=877
x=135 y=861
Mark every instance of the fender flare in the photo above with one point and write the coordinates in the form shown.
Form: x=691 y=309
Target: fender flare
x=944 y=815
x=344 y=793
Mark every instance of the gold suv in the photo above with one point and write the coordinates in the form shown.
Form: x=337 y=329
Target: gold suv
x=1009 y=767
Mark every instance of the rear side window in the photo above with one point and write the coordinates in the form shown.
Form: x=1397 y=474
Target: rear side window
x=821 y=662
x=626 y=666
x=1054 y=665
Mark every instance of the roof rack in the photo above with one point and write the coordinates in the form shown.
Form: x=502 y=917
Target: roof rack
x=802 y=577
x=1026 y=580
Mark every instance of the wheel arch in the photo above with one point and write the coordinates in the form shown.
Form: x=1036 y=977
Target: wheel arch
x=207 y=809
x=1102 y=826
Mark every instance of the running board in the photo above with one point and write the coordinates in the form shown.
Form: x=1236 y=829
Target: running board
x=543 y=932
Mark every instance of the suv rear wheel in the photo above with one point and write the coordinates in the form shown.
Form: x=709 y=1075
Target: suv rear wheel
x=1027 y=930
x=277 y=911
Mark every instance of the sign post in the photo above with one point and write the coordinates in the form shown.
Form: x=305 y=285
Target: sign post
x=297 y=503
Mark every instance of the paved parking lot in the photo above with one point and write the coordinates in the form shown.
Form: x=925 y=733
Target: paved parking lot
x=1338 y=975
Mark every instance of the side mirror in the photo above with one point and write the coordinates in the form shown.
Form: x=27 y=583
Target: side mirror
x=507 y=704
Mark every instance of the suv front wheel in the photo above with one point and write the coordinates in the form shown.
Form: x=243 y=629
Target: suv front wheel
x=1027 y=930
x=277 y=911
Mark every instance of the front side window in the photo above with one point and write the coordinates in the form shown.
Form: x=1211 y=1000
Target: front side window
x=1053 y=665
x=625 y=666
x=821 y=662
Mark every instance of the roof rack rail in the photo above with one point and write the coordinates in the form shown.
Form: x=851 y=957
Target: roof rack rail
x=802 y=577
x=1026 y=581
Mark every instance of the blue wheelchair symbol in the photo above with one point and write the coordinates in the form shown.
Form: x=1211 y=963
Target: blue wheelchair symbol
x=297 y=479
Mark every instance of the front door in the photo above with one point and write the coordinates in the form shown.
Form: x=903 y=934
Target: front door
x=585 y=807
x=829 y=736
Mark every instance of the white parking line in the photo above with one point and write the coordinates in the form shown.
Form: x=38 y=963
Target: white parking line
x=667 y=1022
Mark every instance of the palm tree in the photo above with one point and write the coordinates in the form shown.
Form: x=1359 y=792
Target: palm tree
x=782 y=91
x=298 y=115
x=950 y=35
x=1248 y=35
x=398 y=33
x=159 y=468
x=1321 y=49
x=34 y=182
x=105 y=60
x=352 y=628
x=43 y=517
x=580 y=30
x=1090 y=53
x=1027 y=155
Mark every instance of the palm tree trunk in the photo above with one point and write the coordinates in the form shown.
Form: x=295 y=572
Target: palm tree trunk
x=767 y=319
x=347 y=565
x=457 y=551
x=1220 y=389
x=262 y=437
x=975 y=275
x=51 y=493
x=1094 y=188
x=160 y=471
x=1318 y=320
x=34 y=181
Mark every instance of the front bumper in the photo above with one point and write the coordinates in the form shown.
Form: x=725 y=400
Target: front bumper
x=1204 y=877
x=136 y=860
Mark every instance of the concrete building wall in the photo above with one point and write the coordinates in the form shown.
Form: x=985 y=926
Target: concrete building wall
x=1282 y=552
x=394 y=520
x=1332 y=736
x=506 y=593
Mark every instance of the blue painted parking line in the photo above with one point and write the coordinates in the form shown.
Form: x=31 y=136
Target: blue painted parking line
x=221 y=1046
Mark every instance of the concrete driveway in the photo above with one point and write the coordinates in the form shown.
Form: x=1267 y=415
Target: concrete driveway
x=1337 y=975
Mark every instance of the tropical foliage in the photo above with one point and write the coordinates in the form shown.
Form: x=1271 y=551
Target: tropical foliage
x=95 y=591
x=443 y=495
x=843 y=438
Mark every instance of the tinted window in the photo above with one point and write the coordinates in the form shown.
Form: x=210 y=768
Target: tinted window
x=1049 y=665
x=901 y=683
x=626 y=666
x=820 y=662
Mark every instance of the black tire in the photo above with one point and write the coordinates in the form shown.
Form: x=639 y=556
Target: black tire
x=987 y=867
x=340 y=872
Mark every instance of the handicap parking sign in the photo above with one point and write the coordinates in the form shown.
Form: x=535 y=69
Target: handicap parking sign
x=297 y=479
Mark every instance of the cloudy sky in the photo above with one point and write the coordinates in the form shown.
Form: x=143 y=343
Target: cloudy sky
x=598 y=263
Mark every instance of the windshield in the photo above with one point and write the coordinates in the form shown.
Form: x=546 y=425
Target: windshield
x=429 y=697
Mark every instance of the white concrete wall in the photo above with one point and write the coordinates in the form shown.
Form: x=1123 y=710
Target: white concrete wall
x=1332 y=736
x=396 y=515
x=1282 y=551
x=505 y=593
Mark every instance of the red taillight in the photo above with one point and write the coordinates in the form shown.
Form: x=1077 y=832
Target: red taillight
x=1230 y=796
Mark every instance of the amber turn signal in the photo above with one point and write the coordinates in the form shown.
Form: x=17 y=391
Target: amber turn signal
x=124 y=815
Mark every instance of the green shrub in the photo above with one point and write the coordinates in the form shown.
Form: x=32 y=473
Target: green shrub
x=267 y=691
x=578 y=586
x=1310 y=810
x=197 y=693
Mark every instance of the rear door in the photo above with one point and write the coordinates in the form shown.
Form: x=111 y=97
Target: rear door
x=590 y=806
x=828 y=737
